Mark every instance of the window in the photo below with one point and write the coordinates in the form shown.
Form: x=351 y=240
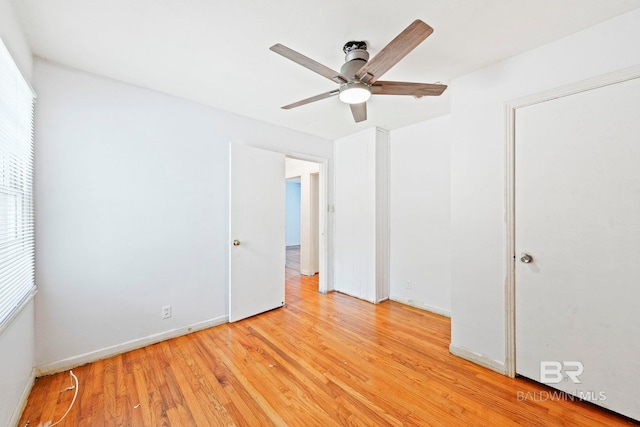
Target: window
x=16 y=189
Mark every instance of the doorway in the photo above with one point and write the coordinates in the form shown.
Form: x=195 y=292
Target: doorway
x=573 y=227
x=303 y=231
x=257 y=228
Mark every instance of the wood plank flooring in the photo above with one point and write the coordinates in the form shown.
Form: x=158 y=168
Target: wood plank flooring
x=324 y=360
x=293 y=258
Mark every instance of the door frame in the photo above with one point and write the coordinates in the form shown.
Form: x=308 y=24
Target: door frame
x=323 y=207
x=510 y=110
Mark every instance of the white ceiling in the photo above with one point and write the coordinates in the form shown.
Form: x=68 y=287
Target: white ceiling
x=216 y=52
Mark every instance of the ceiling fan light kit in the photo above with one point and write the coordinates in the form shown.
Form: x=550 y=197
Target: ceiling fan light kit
x=354 y=93
x=358 y=77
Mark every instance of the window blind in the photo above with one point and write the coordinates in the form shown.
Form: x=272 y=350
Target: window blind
x=16 y=188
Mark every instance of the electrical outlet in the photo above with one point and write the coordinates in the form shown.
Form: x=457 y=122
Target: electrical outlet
x=408 y=284
x=166 y=312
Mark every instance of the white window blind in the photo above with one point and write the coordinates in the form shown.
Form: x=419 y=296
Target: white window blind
x=16 y=189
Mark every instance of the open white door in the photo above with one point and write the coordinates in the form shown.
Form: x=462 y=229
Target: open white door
x=256 y=225
x=578 y=245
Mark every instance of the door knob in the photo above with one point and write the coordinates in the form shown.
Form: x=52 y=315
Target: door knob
x=526 y=258
x=236 y=243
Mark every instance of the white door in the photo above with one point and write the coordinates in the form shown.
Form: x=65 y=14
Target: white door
x=578 y=217
x=257 y=231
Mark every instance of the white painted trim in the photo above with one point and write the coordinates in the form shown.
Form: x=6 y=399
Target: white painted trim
x=477 y=358
x=20 y=72
x=24 y=397
x=510 y=279
x=510 y=220
x=83 y=359
x=355 y=296
x=382 y=192
x=421 y=306
x=577 y=87
x=16 y=311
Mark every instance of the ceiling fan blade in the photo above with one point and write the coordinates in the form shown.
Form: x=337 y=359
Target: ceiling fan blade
x=397 y=49
x=312 y=99
x=308 y=63
x=405 y=88
x=359 y=112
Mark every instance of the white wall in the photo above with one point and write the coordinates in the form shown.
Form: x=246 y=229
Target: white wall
x=132 y=212
x=355 y=240
x=14 y=39
x=292 y=224
x=16 y=365
x=478 y=169
x=361 y=223
x=299 y=168
x=16 y=340
x=420 y=215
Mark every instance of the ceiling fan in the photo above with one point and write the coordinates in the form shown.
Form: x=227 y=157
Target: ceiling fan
x=358 y=77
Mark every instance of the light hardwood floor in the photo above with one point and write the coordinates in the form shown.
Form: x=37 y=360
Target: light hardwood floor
x=323 y=360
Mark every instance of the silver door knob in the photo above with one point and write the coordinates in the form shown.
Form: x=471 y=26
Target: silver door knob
x=526 y=258
x=236 y=243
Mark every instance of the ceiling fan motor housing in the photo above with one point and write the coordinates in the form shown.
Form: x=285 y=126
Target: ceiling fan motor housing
x=355 y=58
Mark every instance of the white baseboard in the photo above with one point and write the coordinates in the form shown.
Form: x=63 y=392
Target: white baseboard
x=22 y=403
x=83 y=359
x=421 y=305
x=354 y=296
x=478 y=359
